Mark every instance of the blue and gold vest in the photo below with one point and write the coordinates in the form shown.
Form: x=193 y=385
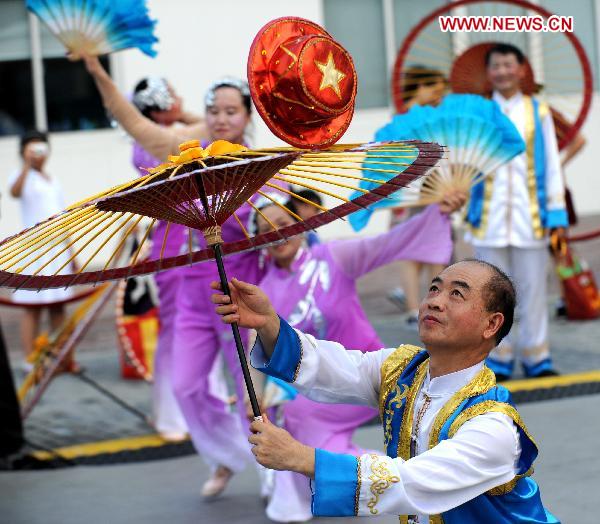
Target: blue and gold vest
x=541 y=218
x=402 y=375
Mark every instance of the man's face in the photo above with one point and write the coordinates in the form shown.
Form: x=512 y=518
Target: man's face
x=504 y=72
x=453 y=314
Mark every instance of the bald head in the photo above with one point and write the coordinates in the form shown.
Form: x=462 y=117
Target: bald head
x=498 y=293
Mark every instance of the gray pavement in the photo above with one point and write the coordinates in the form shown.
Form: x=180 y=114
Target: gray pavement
x=568 y=471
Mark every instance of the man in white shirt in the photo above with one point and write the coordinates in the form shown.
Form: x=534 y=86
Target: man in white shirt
x=456 y=448
x=511 y=213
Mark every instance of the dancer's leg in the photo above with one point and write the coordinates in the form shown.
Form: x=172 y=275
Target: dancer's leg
x=168 y=418
x=529 y=272
x=215 y=431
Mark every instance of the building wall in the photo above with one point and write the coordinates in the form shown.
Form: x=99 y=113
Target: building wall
x=196 y=48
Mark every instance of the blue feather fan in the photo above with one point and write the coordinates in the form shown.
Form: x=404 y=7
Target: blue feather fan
x=98 y=27
x=479 y=138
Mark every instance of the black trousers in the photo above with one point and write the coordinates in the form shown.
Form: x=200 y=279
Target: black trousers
x=11 y=427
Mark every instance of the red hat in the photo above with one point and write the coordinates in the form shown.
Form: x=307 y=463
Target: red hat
x=302 y=82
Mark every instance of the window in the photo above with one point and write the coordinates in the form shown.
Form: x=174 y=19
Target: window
x=585 y=14
x=72 y=101
x=366 y=45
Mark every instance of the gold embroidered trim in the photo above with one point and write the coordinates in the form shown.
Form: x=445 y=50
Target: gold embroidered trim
x=391 y=369
x=409 y=407
x=534 y=207
x=436 y=519
x=504 y=489
x=358 y=486
x=488 y=189
x=483 y=382
x=289 y=100
x=381 y=479
x=399 y=395
x=489 y=406
x=299 y=361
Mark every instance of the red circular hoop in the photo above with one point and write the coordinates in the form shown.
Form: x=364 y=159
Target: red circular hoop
x=63 y=302
x=583 y=60
x=582 y=237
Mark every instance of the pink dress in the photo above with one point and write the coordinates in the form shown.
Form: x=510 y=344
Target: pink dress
x=318 y=296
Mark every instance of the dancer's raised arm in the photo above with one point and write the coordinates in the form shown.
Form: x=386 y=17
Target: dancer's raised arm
x=157 y=140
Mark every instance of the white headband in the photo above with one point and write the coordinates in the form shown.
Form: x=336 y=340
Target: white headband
x=155 y=94
x=226 y=81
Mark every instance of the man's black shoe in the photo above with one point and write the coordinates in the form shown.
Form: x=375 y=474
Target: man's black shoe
x=546 y=373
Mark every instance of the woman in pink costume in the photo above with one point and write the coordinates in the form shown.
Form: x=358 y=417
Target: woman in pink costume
x=219 y=435
x=216 y=433
x=314 y=289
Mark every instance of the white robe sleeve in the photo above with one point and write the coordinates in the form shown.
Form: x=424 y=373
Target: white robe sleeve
x=483 y=454
x=555 y=188
x=323 y=371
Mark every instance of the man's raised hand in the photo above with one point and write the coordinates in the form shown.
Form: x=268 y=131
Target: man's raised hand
x=251 y=308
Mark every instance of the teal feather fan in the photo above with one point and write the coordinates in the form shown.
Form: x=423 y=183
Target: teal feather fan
x=98 y=27
x=479 y=139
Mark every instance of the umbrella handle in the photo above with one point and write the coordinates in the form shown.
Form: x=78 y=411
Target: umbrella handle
x=236 y=336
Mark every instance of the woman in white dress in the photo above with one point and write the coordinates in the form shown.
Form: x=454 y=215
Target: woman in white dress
x=40 y=196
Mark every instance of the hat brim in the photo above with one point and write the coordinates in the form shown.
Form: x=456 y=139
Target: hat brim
x=267 y=40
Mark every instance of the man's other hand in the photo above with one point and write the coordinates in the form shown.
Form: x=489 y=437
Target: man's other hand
x=275 y=448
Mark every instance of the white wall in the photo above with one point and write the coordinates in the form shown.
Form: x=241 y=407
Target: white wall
x=196 y=48
x=583 y=173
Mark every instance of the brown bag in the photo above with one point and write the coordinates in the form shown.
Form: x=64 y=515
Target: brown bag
x=579 y=288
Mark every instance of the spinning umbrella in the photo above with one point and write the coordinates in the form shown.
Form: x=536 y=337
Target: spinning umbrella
x=204 y=189
x=203 y=194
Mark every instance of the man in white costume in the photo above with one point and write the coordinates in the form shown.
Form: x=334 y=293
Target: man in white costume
x=457 y=451
x=511 y=213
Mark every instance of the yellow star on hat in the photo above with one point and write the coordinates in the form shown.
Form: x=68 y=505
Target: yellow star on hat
x=331 y=76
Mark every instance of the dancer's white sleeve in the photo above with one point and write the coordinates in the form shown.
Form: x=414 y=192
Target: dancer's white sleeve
x=321 y=370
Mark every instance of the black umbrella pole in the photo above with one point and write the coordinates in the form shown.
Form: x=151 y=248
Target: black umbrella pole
x=236 y=334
